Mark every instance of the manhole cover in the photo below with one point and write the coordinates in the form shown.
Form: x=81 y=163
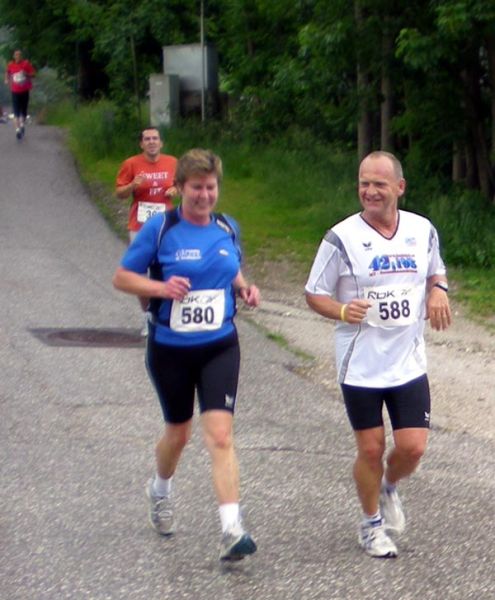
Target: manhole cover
x=95 y=338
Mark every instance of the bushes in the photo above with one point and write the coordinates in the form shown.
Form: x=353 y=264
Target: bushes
x=288 y=192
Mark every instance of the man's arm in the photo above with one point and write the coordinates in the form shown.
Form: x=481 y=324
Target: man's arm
x=353 y=312
x=124 y=191
x=127 y=180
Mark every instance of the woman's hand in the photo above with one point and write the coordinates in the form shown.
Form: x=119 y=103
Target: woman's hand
x=251 y=295
x=176 y=288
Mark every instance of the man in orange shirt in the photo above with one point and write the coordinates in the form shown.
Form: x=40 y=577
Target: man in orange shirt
x=149 y=178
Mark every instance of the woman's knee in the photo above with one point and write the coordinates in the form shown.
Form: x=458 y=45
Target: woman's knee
x=177 y=435
x=218 y=431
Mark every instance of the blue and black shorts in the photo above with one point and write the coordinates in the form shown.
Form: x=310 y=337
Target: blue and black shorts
x=211 y=370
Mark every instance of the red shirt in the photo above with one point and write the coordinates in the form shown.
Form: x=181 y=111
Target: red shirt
x=19 y=74
x=159 y=176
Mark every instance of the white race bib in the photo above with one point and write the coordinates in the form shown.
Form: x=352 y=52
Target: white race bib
x=19 y=77
x=202 y=310
x=392 y=305
x=148 y=209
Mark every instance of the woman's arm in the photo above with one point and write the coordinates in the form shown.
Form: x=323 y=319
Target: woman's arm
x=130 y=282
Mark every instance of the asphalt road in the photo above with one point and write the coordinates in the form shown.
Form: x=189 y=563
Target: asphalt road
x=79 y=422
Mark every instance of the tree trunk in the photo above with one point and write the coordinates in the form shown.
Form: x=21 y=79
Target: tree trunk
x=386 y=109
x=474 y=111
x=458 y=163
x=490 y=47
x=362 y=84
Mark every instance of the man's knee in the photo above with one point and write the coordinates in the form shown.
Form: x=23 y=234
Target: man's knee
x=371 y=451
x=411 y=450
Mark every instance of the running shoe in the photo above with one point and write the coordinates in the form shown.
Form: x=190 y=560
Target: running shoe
x=392 y=511
x=236 y=544
x=161 y=516
x=22 y=131
x=374 y=540
x=145 y=329
x=18 y=133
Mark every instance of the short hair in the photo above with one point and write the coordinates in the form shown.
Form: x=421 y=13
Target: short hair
x=198 y=162
x=141 y=134
x=396 y=164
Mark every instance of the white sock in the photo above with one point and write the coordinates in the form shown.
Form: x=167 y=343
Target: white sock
x=373 y=520
x=162 y=487
x=229 y=514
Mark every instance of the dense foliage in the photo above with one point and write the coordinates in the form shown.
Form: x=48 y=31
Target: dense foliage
x=417 y=78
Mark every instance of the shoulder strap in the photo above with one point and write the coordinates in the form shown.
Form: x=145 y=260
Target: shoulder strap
x=170 y=218
x=227 y=224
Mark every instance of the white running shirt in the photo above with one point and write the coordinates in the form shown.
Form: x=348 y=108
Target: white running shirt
x=355 y=261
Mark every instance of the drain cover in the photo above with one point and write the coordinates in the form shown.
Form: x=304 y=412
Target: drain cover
x=94 y=338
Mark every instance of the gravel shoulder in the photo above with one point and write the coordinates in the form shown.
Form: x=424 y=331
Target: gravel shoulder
x=461 y=360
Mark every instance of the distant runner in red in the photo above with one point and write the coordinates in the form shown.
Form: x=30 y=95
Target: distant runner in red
x=18 y=76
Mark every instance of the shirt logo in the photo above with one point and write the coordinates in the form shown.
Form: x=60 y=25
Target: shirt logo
x=188 y=254
x=223 y=252
x=367 y=245
x=393 y=263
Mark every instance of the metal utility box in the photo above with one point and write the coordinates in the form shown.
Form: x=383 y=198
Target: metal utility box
x=186 y=61
x=164 y=99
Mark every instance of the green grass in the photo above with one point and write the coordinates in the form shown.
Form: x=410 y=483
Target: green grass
x=285 y=195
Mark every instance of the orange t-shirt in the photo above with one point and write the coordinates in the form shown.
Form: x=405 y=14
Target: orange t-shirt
x=149 y=197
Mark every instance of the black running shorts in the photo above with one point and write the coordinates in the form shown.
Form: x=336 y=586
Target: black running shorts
x=212 y=370
x=408 y=405
x=20 y=101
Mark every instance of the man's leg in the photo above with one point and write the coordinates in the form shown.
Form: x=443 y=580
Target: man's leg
x=410 y=445
x=368 y=473
x=368 y=467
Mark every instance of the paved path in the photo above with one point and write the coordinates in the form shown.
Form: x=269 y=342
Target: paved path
x=78 y=426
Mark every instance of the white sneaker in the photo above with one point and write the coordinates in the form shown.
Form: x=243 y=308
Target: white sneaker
x=392 y=511
x=236 y=544
x=160 y=513
x=374 y=540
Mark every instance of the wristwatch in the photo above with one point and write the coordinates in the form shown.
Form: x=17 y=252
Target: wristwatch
x=442 y=285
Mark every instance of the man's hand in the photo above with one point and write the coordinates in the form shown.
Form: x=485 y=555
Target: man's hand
x=438 y=309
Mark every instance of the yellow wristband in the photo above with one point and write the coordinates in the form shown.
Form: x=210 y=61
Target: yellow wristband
x=342 y=312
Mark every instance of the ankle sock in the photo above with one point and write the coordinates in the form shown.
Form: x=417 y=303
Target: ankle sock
x=162 y=487
x=229 y=515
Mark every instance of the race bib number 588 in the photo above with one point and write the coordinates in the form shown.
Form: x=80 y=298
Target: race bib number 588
x=392 y=305
x=202 y=310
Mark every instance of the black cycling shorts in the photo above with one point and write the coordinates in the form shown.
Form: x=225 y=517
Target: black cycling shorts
x=408 y=405
x=20 y=101
x=211 y=369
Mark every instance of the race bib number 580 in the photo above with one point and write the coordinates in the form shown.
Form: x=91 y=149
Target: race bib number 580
x=392 y=305
x=203 y=310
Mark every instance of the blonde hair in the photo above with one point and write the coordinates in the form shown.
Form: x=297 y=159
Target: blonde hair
x=198 y=162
